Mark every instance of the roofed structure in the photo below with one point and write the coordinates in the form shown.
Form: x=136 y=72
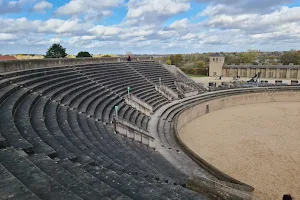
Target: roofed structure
x=8 y=58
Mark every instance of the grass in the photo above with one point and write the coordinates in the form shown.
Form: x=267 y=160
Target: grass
x=195 y=75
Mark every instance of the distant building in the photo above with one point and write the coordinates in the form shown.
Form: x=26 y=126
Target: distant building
x=216 y=63
x=7 y=58
x=280 y=71
x=28 y=56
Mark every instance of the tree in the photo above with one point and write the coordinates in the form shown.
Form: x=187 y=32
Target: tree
x=83 y=54
x=169 y=62
x=56 y=51
x=107 y=56
x=272 y=60
x=232 y=59
x=199 y=64
x=263 y=59
x=248 y=57
x=176 y=59
x=290 y=57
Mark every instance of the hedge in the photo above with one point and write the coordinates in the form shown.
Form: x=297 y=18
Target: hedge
x=194 y=71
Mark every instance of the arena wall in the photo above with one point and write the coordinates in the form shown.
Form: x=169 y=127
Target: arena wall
x=217 y=104
x=15 y=65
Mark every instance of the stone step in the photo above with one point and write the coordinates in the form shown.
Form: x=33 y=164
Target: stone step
x=64 y=178
x=41 y=184
x=12 y=188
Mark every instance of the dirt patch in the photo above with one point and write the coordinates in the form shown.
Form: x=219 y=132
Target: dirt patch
x=258 y=144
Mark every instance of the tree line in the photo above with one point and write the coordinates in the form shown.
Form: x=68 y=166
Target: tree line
x=197 y=64
x=58 y=51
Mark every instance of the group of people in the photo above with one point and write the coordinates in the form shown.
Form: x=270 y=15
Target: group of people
x=235 y=78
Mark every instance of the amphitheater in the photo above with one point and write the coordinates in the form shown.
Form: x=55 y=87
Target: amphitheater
x=110 y=129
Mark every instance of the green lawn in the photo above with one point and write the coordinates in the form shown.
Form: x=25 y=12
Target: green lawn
x=193 y=75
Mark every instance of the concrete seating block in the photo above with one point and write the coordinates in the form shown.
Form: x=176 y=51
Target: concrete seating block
x=137 y=136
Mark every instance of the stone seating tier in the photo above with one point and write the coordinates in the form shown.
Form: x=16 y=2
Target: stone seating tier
x=57 y=142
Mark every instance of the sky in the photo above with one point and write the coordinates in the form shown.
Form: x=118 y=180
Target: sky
x=149 y=26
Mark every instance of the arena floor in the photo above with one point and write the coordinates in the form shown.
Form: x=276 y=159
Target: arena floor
x=258 y=144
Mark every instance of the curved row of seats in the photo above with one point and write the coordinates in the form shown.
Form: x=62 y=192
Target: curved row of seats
x=107 y=75
x=60 y=144
x=153 y=71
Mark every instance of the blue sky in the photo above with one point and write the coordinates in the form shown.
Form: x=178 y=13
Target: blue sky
x=149 y=26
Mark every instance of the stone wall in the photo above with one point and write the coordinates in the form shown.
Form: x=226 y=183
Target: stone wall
x=171 y=68
x=15 y=65
x=138 y=104
x=214 y=191
x=267 y=71
x=166 y=92
x=131 y=131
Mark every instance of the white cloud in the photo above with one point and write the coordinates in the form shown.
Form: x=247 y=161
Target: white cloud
x=63 y=26
x=238 y=7
x=42 y=6
x=88 y=37
x=101 y=30
x=228 y=25
x=23 y=25
x=188 y=36
x=136 y=32
x=12 y=6
x=138 y=39
x=19 y=25
x=179 y=24
x=91 y=9
x=7 y=36
x=167 y=33
x=256 y=21
x=48 y=42
x=154 y=11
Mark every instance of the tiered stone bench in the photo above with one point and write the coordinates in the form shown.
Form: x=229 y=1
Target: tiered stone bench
x=57 y=138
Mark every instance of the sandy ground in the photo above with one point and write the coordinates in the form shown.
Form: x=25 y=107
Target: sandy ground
x=206 y=80
x=258 y=144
